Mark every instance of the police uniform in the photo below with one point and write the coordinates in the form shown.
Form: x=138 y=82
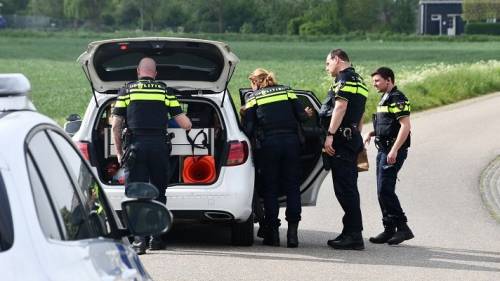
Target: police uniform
x=347 y=142
x=271 y=118
x=392 y=106
x=145 y=105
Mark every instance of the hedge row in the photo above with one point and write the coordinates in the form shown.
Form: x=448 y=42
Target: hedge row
x=351 y=36
x=483 y=28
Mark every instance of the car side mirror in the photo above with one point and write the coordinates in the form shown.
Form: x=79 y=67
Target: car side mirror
x=146 y=217
x=72 y=124
x=141 y=190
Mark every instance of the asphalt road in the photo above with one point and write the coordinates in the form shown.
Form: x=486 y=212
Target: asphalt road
x=456 y=238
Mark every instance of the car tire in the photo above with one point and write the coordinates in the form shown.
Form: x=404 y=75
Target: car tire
x=242 y=233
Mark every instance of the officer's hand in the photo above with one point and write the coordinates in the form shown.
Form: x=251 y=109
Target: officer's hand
x=367 y=139
x=329 y=146
x=119 y=157
x=391 y=157
x=309 y=111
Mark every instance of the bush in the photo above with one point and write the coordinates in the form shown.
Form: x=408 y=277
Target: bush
x=312 y=28
x=308 y=34
x=483 y=28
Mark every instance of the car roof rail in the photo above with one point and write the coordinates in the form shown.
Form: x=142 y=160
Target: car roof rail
x=14 y=92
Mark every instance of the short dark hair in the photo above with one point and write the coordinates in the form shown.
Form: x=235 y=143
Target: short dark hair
x=339 y=53
x=385 y=72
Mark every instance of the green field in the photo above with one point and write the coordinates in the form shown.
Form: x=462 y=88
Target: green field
x=432 y=73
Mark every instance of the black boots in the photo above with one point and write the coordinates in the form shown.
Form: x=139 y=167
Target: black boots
x=292 y=240
x=156 y=243
x=389 y=230
x=262 y=230
x=348 y=241
x=271 y=237
x=403 y=233
x=139 y=245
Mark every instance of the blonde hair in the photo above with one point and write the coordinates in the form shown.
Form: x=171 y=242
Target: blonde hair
x=263 y=78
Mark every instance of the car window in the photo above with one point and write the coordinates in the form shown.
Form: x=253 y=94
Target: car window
x=46 y=216
x=86 y=182
x=186 y=61
x=73 y=215
x=6 y=227
x=312 y=121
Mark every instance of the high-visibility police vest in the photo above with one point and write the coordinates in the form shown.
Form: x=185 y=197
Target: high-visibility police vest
x=146 y=104
x=349 y=86
x=392 y=106
x=277 y=110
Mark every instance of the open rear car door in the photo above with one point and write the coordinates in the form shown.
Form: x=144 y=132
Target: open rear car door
x=312 y=173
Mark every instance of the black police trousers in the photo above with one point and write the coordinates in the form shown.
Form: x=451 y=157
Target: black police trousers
x=150 y=163
x=386 y=186
x=279 y=160
x=345 y=180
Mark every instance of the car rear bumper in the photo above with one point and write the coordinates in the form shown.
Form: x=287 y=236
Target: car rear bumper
x=229 y=199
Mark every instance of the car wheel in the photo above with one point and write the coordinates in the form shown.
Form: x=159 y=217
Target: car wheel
x=242 y=233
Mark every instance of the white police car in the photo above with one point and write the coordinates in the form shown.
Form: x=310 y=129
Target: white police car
x=199 y=70
x=55 y=220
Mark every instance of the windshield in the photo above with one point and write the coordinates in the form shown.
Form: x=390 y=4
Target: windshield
x=180 y=61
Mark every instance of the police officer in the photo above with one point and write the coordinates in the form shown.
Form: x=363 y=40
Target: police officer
x=342 y=114
x=272 y=113
x=392 y=138
x=143 y=107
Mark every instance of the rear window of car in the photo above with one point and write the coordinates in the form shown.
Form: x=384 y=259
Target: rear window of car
x=6 y=227
x=184 y=61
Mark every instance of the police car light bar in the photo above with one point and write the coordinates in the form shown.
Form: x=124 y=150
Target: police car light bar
x=14 y=84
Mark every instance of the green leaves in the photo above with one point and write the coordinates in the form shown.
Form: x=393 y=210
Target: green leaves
x=304 y=17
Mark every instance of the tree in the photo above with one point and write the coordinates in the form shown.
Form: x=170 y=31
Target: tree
x=50 y=8
x=13 y=6
x=405 y=14
x=361 y=15
x=478 y=10
x=89 y=11
x=320 y=17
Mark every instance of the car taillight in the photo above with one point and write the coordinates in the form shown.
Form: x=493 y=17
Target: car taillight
x=84 y=149
x=238 y=153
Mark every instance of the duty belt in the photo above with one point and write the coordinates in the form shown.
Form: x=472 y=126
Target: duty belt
x=384 y=143
x=149 y=132
x=347 y=130
x=279 y=132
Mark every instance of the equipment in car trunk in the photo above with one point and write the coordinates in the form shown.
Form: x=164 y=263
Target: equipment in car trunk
x=199 y=169
x=201 y=143
x=201 y=115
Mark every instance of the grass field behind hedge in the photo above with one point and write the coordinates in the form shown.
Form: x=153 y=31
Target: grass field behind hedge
x=431 y=73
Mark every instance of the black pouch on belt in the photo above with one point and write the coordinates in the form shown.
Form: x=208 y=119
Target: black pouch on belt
x=129 y=156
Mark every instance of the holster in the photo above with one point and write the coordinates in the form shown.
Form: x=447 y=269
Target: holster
x=169 y=138
x=129 y=156
x=384 y=144
x=126 y=137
